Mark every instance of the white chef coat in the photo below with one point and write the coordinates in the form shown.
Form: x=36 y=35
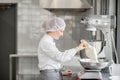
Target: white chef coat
x=49 y=56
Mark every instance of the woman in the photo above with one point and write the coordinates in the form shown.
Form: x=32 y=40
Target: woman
x=50 y=58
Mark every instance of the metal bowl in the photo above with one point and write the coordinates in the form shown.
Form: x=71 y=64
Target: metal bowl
x=91 y=65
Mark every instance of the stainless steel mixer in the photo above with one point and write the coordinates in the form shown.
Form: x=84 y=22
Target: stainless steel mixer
x=105 y=24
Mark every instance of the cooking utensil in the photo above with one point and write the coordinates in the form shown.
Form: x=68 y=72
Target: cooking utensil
x=92 y=65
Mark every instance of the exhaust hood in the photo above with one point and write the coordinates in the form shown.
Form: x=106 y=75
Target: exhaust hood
x=67 y=4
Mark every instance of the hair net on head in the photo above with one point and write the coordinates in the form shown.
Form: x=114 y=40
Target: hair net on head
x=54 y=24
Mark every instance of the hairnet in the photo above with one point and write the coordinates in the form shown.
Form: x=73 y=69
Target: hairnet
x=54 y=24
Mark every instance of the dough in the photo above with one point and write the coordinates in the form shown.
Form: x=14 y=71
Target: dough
x=91 y=53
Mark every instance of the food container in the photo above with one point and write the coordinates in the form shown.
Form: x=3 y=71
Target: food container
x=92 y=65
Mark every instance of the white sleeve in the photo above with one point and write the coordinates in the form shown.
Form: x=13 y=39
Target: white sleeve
x=50 y=50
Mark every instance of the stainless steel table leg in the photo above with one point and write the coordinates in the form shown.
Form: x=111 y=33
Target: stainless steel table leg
x=10 y=73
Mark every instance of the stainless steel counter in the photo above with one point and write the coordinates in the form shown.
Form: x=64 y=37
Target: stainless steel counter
x=13 y=57
x=23 y=55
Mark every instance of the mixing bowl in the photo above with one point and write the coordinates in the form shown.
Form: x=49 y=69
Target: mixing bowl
x=91 y=65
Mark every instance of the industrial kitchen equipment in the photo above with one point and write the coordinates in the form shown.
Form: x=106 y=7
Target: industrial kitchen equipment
x=105 y=46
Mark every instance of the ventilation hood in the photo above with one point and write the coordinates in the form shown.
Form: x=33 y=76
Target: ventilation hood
x=67 y=4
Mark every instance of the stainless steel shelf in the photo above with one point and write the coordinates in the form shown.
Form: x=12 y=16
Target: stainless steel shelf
x=16 y=56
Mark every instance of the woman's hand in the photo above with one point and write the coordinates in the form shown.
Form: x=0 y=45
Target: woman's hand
x=83 y=44
x=67 y=72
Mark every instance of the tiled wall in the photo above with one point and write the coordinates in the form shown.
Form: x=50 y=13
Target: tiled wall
x=30 y=18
